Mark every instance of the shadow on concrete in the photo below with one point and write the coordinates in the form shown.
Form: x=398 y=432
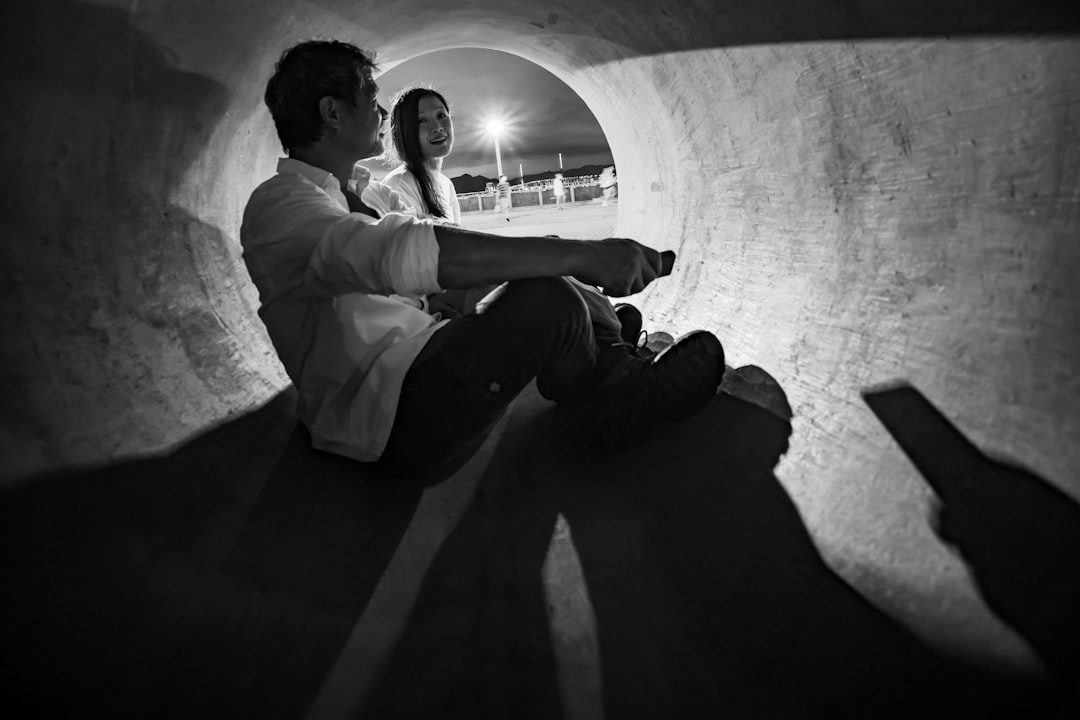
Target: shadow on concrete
x=224 y=580
x=112 y=290
x=219 y=581
x=477 y=644
x=710 y=597
x=747 y=22
x=1019 y=534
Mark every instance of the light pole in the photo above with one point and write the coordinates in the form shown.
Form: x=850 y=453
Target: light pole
x=495 y=127
x=521 y=175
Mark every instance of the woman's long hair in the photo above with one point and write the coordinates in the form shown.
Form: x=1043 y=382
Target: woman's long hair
x=405 y=131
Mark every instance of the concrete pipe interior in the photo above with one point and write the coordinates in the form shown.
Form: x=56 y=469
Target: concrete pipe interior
x=859 y=193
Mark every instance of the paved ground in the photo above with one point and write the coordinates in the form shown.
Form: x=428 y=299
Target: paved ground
x=587 y=220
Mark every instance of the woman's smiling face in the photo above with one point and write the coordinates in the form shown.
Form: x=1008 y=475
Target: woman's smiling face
x=435 y=128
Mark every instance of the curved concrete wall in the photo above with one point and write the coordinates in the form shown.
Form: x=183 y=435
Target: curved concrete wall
x=859 y=192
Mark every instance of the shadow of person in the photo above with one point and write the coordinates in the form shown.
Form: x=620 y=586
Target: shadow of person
x=1019 y=534
x=476 y=644
x=305 y=564
x=709 y=594
x=111 y=295
x=712 y=599
x=220 y=580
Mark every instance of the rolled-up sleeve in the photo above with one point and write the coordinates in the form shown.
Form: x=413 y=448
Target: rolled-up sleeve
x=394 y=254
x=298 y=242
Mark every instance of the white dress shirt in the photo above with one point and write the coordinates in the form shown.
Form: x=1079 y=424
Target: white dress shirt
x=402 y=180
x=342 y=297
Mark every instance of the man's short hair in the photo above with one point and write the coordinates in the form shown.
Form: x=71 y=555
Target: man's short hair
x=304 y=75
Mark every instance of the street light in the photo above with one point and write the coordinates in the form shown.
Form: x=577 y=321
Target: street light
x=495 y=127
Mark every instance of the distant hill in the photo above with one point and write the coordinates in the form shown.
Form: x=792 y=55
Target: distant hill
x=477 y=183
x=470 y=183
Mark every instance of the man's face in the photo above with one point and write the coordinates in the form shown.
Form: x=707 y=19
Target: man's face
x=364 y=127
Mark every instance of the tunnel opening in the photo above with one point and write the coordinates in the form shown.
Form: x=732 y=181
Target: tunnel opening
x=544 y=126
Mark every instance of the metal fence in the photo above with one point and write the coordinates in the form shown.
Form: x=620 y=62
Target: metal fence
x=584 y=188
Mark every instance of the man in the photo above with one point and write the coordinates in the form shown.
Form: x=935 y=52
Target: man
x=558 y=190
x=502 y=197
x=342 y=275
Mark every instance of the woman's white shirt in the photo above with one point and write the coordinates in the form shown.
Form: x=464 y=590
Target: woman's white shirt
x=406 y=184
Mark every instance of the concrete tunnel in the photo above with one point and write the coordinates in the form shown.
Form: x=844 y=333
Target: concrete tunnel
x=860 y=193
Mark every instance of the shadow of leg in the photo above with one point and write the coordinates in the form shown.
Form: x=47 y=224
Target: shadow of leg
x=305 y=562
x=477 y=644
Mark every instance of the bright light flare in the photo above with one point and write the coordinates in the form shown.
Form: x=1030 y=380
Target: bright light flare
x=495 y=126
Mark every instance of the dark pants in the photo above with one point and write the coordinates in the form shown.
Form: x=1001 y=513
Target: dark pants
x=474 y=366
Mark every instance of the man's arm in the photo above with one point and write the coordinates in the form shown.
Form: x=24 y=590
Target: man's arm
x=620 y=266
x=298 y=242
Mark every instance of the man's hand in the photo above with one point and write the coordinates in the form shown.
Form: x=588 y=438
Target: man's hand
x=623 y=267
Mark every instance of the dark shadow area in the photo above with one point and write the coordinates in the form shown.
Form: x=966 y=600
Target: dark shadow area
x=220 y=581
x=748 y=22
x=477 y=644
x=711 y=599
x=1019 y=534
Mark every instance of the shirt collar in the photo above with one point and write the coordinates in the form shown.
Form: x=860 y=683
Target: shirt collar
x=324 y=179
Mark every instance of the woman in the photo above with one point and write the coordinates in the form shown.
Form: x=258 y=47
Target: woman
x=423 y=136
x=422 y=133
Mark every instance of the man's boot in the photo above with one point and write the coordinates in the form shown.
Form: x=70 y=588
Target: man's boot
x=637 y=396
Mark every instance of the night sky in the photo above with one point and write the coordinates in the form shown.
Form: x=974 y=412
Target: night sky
x=544 y=116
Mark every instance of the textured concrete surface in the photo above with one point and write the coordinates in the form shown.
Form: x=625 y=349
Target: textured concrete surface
x=860 y=193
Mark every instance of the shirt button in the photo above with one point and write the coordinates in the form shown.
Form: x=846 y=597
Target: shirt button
x=494 y=387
